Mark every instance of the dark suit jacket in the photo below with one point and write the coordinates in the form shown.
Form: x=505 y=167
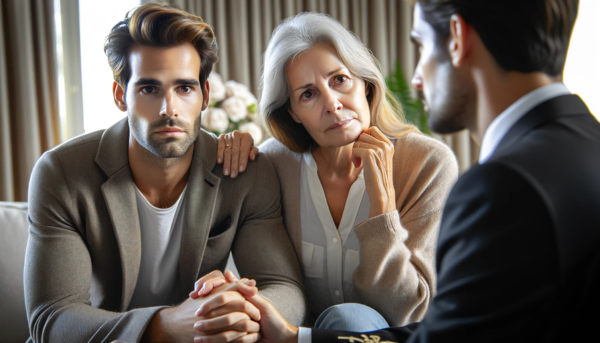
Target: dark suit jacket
x=518 y=255
x=84 y=248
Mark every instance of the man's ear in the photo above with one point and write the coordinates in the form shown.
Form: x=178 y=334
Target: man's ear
x=119 y=96
x=457 y=45
x=205 y=95
x=294 y=116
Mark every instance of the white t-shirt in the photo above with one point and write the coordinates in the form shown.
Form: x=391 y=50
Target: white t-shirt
x=158 y=279
x=330 y=254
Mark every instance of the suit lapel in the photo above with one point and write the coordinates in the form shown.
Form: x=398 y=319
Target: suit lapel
x=199 y=206
x=539 y=115
x=119 y=194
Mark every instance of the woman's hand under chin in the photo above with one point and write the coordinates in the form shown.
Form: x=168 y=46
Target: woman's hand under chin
x=375 y=151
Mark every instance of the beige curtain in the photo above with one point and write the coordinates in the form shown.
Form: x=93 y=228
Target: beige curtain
x=29 y=119
x=243 y=29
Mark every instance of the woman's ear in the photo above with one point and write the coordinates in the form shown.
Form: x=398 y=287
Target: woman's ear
x=367 y=87
x=119 y=96
x=294 y=116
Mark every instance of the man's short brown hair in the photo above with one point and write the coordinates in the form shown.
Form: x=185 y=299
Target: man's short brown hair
x=160 y=25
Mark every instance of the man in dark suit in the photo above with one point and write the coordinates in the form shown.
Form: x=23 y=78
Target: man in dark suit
x=518 y=256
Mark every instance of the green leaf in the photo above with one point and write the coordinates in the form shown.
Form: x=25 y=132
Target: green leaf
x=414 y=111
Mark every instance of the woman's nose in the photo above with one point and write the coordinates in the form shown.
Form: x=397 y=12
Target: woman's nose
x=332 y=102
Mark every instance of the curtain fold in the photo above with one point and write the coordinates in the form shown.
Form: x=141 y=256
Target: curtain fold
x=29 y=119
x=243 y=29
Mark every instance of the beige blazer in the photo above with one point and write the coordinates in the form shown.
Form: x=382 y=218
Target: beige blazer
x=84 y=248
x=396 y=272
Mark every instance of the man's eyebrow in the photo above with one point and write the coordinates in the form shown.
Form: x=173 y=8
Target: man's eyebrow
x=147 y=82
x=188 y=82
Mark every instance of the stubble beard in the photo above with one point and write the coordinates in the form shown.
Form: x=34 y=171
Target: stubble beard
x=169 y=147
x=449 y=101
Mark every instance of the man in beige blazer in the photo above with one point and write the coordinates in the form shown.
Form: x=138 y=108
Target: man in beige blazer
x=87 y=237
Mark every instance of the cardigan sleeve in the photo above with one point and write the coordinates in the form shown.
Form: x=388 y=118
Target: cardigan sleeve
x=396 y=272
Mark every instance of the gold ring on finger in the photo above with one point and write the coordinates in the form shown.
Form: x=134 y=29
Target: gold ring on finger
x=228 y=146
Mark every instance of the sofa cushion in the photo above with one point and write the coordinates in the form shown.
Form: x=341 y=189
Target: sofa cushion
x=13 y=240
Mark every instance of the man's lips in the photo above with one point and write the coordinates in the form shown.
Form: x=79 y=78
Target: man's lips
x=170 y=131
x=340 y=125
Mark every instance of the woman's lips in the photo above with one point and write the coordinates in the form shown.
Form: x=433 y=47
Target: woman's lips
x=340 y=125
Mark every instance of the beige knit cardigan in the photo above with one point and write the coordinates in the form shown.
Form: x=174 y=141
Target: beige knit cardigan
x=396 y=272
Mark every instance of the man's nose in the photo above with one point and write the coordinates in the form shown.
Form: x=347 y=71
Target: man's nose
x=169 y=104
x=417 y=81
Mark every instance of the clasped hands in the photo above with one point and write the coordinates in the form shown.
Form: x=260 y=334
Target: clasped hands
x=221 y=309
x=225 y=315
x=236 y=313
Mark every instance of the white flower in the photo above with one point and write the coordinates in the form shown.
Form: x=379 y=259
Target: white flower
x=217 y=88
x=254 y=130
x=249 y=98
x=253 y=116
x=215 y=119
x=233 y=88
x=236 y=108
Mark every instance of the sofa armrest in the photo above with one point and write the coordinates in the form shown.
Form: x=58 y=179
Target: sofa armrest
x=13 y=241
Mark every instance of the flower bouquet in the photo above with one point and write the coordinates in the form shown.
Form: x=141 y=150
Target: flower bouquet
x=231 y=107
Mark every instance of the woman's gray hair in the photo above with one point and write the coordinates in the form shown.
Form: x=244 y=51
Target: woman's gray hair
x=299 y=33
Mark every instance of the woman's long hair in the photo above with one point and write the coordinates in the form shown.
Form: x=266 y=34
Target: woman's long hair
x=299 y=33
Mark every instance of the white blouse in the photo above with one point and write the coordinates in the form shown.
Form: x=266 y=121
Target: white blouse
x=329 y=255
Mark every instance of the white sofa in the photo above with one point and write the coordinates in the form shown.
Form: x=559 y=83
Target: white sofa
x=13 y=239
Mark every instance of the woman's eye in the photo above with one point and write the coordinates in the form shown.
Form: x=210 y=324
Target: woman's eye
x=148 y=90
x=341 y=78
x=306 y=95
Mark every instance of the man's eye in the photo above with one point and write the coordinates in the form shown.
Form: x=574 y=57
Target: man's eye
x=185 y=89
x=148 y=90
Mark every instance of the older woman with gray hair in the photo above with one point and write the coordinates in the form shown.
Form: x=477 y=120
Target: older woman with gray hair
x=362 y=191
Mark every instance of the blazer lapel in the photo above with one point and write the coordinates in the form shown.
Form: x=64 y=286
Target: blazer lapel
x=539 y=115
x=119 y=195
x=199 y=206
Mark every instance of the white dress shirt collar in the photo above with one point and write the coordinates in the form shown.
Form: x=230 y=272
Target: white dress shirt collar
x=500 y=126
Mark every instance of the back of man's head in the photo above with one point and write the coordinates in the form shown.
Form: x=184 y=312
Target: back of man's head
x=160 y=25
x=522 y=35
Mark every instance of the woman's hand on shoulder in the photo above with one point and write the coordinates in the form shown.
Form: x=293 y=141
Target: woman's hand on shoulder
x=376 y=153
x=234 y=150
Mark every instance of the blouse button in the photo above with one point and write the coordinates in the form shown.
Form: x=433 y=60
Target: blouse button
x=335 y=240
